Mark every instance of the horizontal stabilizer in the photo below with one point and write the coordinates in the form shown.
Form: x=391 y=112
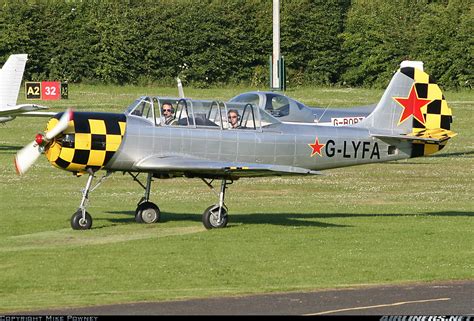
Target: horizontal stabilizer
x=433 y=136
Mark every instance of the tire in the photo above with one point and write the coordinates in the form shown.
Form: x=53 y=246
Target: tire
x=209 y=217
x=138 y=215
x=77 y=223
x=147 y=212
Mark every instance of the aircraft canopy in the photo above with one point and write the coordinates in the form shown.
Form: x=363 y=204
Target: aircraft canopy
x=199 y=113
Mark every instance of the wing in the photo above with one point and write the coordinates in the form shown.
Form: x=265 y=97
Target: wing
x=194 y=167
x=27 y=110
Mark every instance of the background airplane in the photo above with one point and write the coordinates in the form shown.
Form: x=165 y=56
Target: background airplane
x=289 y=110
x=11 y=76
x=412 y=119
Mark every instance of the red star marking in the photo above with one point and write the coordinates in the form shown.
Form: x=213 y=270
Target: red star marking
x=412 y=106
x=316 y=147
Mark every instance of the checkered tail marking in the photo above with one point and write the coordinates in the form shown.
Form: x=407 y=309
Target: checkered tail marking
x=437 y=114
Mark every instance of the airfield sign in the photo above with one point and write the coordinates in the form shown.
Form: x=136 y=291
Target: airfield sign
x=46 y=90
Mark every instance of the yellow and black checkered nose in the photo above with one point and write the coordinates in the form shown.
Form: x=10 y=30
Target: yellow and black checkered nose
x=89 y=142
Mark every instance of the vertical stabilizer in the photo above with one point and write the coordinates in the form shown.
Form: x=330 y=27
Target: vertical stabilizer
x=411 y=103
x=11 y=75
x=412 y=106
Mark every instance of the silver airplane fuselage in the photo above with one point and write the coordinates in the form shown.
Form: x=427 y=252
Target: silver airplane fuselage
x=277 y=144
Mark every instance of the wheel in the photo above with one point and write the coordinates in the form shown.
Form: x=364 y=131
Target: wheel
x=138 y=215
x=147 y=212
x=77 y=223
x=210 y=216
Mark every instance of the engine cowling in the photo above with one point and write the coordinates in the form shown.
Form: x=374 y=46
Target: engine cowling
x=89 y=142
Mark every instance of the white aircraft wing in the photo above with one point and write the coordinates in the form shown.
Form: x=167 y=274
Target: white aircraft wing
x=26 y=110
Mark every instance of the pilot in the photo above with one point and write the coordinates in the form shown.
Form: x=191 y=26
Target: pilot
x=234 y=118
x=167 y=111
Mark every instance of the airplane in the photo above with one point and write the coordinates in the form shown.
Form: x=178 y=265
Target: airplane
x=289 y=110
x=412 y=119
x=11 y=75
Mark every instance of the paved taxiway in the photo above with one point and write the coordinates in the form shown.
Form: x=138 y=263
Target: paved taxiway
x=440 y=298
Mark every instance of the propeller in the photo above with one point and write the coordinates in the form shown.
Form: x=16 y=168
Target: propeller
x=31 y=152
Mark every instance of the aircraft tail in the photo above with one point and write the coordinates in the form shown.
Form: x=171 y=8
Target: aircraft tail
x=412 y=108
x=11 y=75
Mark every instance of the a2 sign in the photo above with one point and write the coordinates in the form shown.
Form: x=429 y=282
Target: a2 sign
x=46 y=90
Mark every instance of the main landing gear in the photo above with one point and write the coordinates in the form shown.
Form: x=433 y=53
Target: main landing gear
x=147 y=212
x=215 y=216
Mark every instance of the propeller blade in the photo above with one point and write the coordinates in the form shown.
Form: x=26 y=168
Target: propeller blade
x=61 y=125
x=26 y=157
x=30 y=153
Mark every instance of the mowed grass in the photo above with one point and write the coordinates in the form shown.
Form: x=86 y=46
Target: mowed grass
x=405 y=221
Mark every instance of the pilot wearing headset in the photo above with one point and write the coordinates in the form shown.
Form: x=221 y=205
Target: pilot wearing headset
x=167 y=111
x=234 y=118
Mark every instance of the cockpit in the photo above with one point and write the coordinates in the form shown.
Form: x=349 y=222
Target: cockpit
x=213 y=114
x=276 y=104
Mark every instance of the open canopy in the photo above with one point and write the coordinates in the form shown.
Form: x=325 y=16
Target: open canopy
x=200 y=113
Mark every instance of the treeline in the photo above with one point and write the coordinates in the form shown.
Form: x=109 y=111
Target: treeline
x=212 y=42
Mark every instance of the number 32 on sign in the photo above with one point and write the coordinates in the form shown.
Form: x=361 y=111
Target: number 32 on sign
x=51 y=90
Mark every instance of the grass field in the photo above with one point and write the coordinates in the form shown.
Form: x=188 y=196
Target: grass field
x=405 y=221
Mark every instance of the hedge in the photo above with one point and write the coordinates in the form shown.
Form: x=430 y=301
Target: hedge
x=212 y=42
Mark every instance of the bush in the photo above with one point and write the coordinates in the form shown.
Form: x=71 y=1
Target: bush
x=358 y=43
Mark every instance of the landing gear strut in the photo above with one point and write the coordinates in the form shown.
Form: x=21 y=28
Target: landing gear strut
x=215 y=216
x=147 y=212
x=82 y=220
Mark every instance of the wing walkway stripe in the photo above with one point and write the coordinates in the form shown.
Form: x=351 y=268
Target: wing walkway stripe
x=379 y=306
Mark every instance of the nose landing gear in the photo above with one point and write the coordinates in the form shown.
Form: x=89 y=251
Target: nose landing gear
x=82 y=220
